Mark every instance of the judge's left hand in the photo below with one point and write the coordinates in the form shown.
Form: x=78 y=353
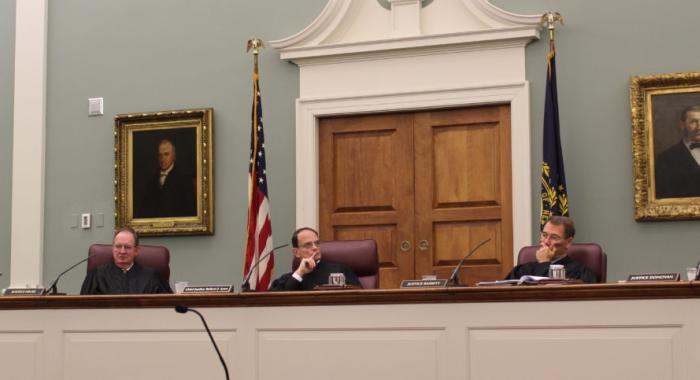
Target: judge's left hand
x=544 y=254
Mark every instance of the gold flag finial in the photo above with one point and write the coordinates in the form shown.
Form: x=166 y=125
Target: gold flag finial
x=255 y=44
x=549 y=19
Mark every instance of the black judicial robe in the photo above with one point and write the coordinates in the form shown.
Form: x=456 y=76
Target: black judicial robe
x=319 y=276
x=574 y=270
x=110 y=279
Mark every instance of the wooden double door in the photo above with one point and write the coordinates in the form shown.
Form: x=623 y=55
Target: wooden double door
x=427 y=186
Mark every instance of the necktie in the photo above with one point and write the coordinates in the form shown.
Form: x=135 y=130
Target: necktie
x=694 y=145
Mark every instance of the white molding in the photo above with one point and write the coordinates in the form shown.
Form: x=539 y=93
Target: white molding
x=310 y=110
x=520 y=35
x=349 y=65
x=319 y=29
x=28 y=143
x=489 y=12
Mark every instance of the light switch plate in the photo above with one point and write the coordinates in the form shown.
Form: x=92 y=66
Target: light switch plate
x=95 y=107
x=85 y=220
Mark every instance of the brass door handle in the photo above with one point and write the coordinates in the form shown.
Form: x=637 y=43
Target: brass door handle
x=405 y=245
x=423 y=245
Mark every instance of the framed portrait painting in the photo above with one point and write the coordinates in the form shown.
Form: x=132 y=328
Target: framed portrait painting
x=666 y=146
x=163 y=180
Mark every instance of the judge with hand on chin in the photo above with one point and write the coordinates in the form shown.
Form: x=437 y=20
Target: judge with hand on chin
x=312 y=270
x=555 y=239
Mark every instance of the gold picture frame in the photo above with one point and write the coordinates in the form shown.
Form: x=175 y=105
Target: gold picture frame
x=664 y=185
x=163 y=172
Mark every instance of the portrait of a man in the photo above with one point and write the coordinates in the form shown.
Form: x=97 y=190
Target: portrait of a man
x=164 y=174
x=677 y=145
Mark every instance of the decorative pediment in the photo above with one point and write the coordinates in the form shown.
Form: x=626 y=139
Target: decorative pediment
x=365 y=26
x=380 y=56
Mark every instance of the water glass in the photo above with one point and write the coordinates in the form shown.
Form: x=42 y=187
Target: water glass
x=557 y=271
x=337 y=279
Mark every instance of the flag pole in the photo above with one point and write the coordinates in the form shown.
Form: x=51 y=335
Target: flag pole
x=554 y=199
x=259 y=260
x=549 y=19
x=255 y=44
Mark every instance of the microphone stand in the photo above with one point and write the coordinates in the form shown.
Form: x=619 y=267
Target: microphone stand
x=184 y=309
x=245 y=286
x=52 y=289
x=454 y=277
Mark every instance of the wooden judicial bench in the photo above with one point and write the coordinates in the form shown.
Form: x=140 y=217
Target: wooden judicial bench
x=602 y=331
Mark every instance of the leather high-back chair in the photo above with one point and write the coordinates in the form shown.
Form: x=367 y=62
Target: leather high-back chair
x=154 y=256
x=588 y=254
x=358 y=255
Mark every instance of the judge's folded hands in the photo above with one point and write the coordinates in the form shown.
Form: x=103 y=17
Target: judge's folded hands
x=544 y=254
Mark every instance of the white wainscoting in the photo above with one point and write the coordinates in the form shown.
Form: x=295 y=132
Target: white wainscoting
x=613 y=339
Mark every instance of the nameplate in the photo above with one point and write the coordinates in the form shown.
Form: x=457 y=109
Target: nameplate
x=653 y=277
x=208 y=289
x=24 y=291
x=423 y=283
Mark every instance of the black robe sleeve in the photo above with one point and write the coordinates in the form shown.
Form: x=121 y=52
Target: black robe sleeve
x=286 y=282
x=574 y=270
x=319 y=276
x=109 y=279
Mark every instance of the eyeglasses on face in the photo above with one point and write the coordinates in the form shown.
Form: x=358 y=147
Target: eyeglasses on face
x=553 y=237
x=310 y=244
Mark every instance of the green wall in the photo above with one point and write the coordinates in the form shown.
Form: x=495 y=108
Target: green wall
x=600 y=46
x=170 y=54
x=161 y=55
x=7 y=62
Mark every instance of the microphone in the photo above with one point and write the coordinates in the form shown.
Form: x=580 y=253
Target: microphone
x=454 y=277
x=52 y=289
x=182 y=309
x=245 y=286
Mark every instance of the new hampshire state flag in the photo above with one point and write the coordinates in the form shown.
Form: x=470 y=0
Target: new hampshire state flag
x=554 y=200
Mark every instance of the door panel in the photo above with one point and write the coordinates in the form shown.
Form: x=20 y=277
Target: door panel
x=437 y=181
x=464 y=196
x=458 y=184
x=366 y=186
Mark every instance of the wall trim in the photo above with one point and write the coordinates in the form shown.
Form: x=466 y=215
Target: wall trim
x=28 y=144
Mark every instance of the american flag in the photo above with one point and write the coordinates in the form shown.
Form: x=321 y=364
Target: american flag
x=259 y=224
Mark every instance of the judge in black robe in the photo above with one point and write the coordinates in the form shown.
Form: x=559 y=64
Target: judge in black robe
x=110 y=279
x=319 y=276
x=555 y=239
x=574 y=270
x=312 y=271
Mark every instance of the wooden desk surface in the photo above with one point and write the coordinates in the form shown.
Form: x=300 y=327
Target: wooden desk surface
x=612 y=291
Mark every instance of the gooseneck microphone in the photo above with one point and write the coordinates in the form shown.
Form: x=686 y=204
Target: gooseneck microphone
x=52 y=289
x=245 y=286
x=454 y=277
x=182 y=309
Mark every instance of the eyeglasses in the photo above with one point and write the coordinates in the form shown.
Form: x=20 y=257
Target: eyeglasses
x=310 y=244
x=123 y=246
x=553 y=237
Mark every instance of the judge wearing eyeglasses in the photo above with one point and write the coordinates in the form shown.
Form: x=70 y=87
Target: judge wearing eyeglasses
x=555 y=239
x=312 y=270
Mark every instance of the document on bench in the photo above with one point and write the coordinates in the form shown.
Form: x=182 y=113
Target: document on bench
x=530 y=280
